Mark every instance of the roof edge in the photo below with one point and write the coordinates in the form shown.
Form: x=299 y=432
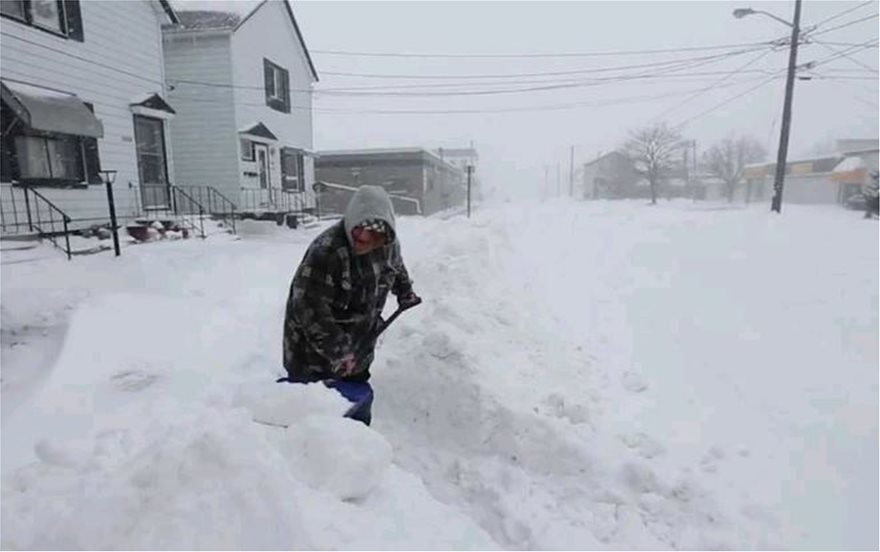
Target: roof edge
x=169 y=11
x=296 y=29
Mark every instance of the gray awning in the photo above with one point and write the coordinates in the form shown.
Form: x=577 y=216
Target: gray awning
x=50 y=110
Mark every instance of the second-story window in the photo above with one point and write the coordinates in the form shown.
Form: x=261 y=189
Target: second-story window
x=59 y=17
x=277 y=86
x=48 y=14
x=13 y=8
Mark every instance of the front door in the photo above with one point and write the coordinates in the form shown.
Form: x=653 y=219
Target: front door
x=261 y=154
x=150 y=145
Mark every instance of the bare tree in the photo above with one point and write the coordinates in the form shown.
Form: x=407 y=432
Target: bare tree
x=654 y=151
x=727 y=160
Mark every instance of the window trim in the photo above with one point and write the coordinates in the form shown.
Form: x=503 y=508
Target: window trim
x=279 y=76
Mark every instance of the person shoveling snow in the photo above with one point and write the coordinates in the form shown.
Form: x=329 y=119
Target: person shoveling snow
x=334 y=308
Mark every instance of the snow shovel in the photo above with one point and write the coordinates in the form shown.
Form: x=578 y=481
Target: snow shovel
x=360 y=394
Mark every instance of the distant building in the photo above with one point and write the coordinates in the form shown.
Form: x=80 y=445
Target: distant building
x=827 y=179
x=421 y=180
x=610 y=176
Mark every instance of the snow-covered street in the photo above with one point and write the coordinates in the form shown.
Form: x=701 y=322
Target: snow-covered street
x=601 y=375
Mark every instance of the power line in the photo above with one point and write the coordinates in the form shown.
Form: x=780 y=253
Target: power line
x=466 y=83
x=538 y=74
x=844 y=25
x=550 y=107
x=725 y=102
x=847 y=56
x=844 y=12
x=680 y=65
x=539 y=55
x=845 y=53
x=714 y=84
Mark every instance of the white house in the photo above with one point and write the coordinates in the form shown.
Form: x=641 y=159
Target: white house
x=83 y=88
x=244 y=87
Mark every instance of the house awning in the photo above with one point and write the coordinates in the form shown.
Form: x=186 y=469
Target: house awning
x=259 y=132
x=851 y=170
x=50 y=110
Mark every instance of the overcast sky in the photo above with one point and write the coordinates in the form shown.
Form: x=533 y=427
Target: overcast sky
x=539 y=126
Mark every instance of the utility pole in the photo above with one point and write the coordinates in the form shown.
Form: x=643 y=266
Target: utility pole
x=571 y=174
x=778 y=182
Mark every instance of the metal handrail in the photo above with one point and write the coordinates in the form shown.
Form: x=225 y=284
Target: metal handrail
x=212 y=201
x=50 y=235
x=276 y=200
x=213 y=193
x=183 y=216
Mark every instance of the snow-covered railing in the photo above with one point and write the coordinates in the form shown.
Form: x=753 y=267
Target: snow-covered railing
x=333 y=198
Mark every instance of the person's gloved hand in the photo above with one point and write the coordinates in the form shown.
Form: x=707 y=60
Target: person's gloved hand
x=408 y=300
x=346 y=366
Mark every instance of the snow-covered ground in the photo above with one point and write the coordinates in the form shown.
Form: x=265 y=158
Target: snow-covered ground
x=580 y=376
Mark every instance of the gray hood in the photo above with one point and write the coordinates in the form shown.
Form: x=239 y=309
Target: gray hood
x=369 y=202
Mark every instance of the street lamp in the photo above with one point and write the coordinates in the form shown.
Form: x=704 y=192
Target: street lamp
x=109 y=177
x=778 y=181
x=743 y=12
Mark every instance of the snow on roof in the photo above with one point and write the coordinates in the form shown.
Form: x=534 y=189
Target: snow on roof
x=849 y=164
x=372 y=151
x=208 y=19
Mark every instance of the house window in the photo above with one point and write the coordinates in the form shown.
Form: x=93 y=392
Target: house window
x=59 y=17
x=50 y=158
x=13 y=8
x=277 y=81
x=247 y=149
x=48 y=14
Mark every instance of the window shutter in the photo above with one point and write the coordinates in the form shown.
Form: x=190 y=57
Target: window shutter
x=286 y=94
x=267 y=74
x=74 y=20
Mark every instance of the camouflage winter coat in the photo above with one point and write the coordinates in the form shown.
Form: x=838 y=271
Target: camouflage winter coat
x=336 y=297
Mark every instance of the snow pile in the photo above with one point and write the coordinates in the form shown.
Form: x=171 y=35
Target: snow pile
x=580 y=376
x=337 y=455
